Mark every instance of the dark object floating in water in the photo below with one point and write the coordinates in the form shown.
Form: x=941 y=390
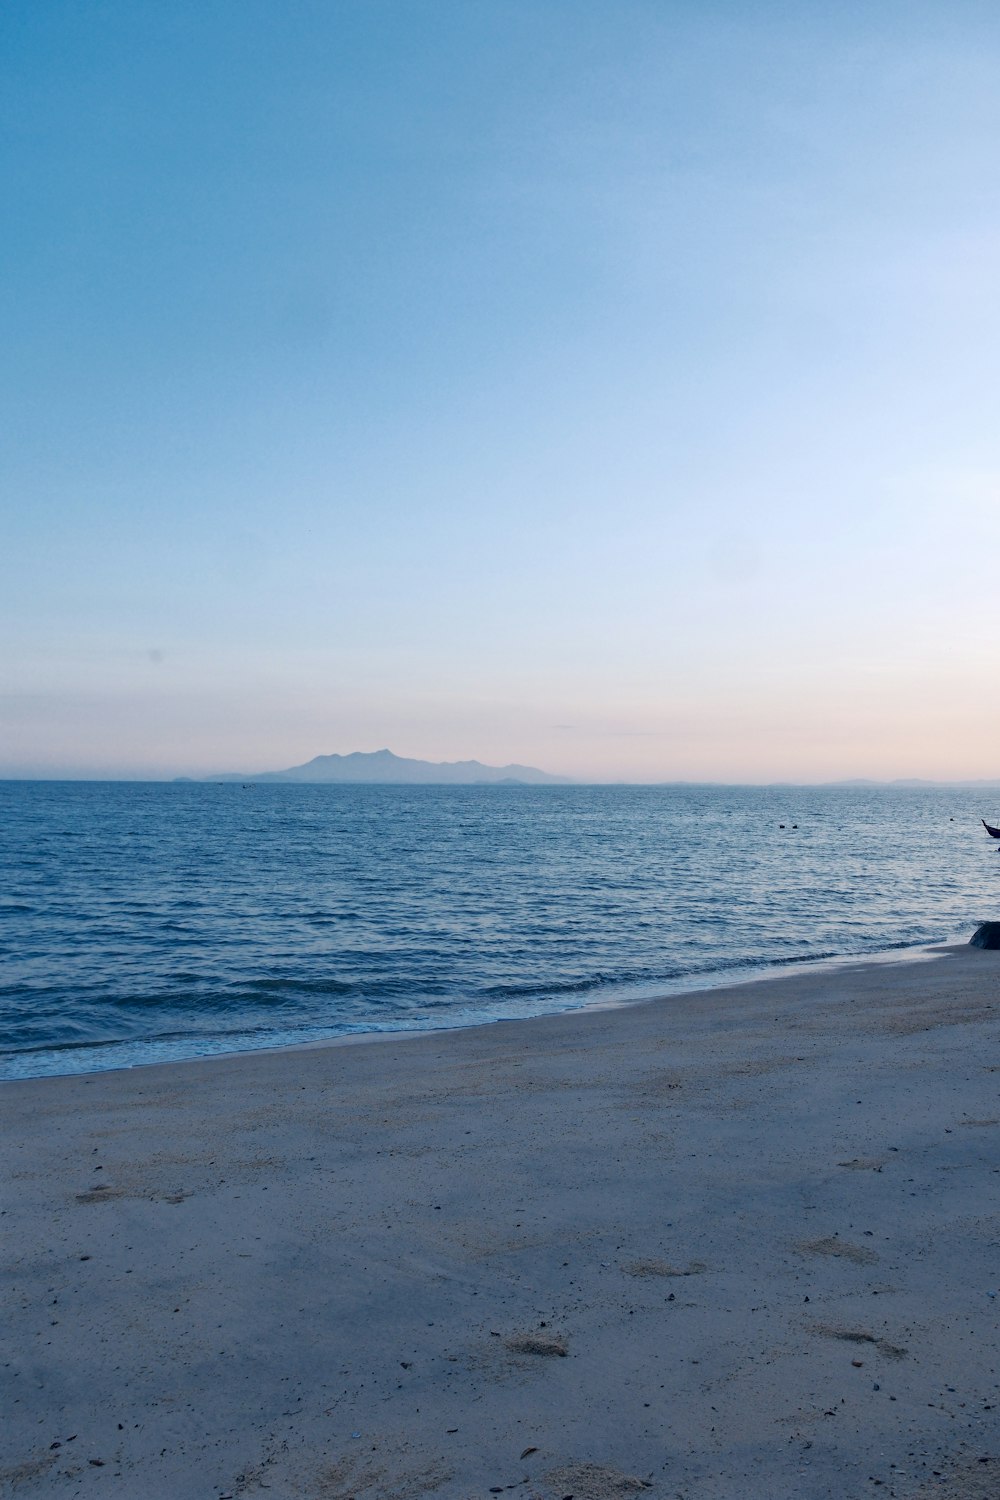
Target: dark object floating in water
x=994 y=833
x=986 y=935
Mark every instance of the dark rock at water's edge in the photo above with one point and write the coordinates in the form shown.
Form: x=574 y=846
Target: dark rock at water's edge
x=986 y=935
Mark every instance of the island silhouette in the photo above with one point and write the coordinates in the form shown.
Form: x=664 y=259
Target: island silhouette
x=385 y=767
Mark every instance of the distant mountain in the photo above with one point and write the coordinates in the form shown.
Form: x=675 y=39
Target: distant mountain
x=383 y=766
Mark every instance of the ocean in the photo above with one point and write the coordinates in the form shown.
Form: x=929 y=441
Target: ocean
x=141 y=922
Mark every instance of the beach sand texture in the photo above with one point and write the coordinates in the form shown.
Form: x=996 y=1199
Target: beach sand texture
x=744 y=1243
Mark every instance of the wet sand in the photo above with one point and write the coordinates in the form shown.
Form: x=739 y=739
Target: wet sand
x=744 y=1243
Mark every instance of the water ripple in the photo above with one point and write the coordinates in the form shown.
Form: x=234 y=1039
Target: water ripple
x=141 y=922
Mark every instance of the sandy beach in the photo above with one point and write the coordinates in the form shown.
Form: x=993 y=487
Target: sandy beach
x=740 y=1243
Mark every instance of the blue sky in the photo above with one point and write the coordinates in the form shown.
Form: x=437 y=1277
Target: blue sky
x=610 y=387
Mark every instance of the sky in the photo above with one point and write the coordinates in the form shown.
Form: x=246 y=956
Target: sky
x=610 y=387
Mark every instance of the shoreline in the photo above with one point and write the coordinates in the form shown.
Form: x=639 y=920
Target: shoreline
x=651 y=993
x=731 y=1250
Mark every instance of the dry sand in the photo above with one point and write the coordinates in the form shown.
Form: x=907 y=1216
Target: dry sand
x=744 y=1243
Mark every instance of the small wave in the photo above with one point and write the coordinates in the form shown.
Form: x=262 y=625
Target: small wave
x=139 y=915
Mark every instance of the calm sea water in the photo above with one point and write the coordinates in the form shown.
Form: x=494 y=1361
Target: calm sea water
x=140 y=922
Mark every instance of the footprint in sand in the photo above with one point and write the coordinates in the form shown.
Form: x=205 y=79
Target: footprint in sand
x=352 y=1480
x=839 y=1249
x=551 y=1345
x=652 y=1267
x=100 y=1194
x=595 y=1482
x=861 y=1336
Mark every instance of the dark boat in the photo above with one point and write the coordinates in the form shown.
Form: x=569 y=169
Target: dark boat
x=994 y=833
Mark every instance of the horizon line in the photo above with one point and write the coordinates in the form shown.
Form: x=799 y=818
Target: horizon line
x=217 y=778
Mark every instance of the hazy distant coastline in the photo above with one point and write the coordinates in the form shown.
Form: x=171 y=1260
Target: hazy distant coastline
x=386 y=768
x=382 y=766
